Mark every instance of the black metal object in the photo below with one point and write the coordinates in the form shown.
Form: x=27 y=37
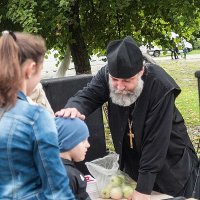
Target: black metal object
x=197 y=75
x=176 y=198
x=58 y=91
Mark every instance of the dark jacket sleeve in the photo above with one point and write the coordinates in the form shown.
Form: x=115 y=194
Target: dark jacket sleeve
x=77 y=184
x=93 y=96
x=156 y=139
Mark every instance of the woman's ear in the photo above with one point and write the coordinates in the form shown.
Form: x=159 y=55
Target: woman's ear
x=29 y=68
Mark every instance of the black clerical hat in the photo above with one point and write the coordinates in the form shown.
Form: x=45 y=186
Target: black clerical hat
x=124 y=58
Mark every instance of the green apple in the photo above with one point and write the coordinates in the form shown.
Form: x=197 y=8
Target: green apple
x=116 y=193
x=133 y=184
x=127 y=191
x=105 y=193
x=115 y=180
x=122 y=177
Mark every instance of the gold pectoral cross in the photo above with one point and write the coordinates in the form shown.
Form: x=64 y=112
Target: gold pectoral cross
x=131 y=135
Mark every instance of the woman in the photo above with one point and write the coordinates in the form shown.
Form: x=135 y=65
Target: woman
x=30 y=166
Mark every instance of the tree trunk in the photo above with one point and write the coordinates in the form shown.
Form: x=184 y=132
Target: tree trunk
x=64 y=66
x=77 y=46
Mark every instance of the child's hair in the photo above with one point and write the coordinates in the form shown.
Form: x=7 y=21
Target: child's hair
x=15 y=49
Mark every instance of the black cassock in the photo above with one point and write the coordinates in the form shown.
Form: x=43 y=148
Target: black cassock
x=163 y=157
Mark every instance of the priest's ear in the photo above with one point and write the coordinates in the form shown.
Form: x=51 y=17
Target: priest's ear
x=141 y=72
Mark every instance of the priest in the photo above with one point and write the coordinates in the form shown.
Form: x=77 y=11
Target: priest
x=147 y=129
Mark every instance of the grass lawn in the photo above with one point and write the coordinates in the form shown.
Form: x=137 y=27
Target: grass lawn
x=196 y=51
x=188 y=101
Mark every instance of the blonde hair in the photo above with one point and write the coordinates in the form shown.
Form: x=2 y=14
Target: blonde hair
x=15 y=49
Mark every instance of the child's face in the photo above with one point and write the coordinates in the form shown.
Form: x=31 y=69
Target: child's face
x=78 y=152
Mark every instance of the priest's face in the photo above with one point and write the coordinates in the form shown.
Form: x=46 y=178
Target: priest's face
x=125 y=92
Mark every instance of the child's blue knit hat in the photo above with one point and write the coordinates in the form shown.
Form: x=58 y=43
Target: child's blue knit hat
x=70 y=132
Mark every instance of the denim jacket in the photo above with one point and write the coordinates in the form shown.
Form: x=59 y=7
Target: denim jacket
x=30 y=166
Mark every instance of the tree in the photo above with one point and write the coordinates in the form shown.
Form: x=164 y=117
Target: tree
x=5 y=22
x=87 y=26
x=57 y=21
x=145 y=20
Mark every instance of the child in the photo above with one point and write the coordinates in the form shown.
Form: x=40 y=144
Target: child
x=73 y=143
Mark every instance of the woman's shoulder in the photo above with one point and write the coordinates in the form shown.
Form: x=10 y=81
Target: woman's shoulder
x=29 y=112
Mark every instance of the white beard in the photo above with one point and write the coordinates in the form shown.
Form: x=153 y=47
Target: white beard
x=125 y=98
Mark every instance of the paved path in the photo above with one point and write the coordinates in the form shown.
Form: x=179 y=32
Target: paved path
x=189 y=57
x=50 y=69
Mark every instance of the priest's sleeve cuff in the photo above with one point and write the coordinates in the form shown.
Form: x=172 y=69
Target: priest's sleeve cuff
x=145 y=182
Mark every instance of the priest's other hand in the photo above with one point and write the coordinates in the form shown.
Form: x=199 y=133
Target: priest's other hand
x=70 y=113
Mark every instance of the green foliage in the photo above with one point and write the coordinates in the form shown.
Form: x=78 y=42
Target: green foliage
x=102 y=21
x=197 y=44
x=145 y=20
x=23 y=12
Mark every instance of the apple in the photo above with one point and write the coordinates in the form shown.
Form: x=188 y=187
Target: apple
x=115 y=180
x=122 y=177
x=116 y=193
x=133 y=184
x=105 y=193
x=127 y=191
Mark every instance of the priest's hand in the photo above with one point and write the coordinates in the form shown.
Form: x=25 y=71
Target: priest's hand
x=70 y=113
x=139 y=196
